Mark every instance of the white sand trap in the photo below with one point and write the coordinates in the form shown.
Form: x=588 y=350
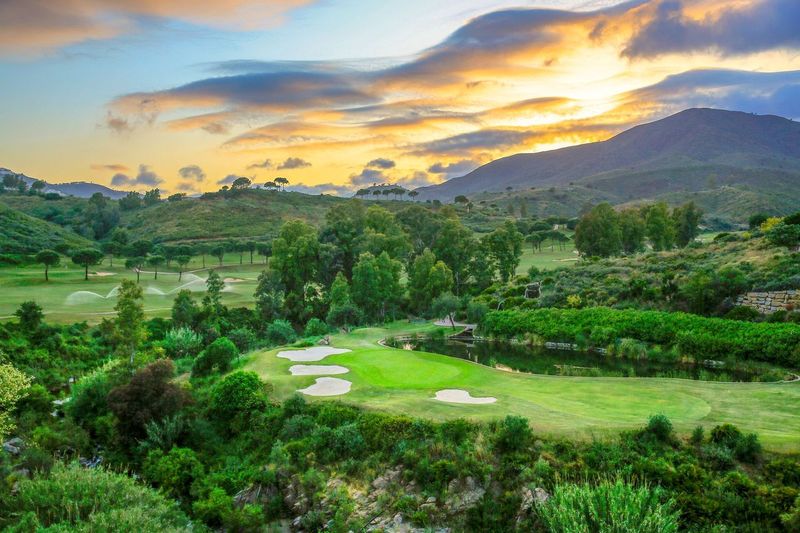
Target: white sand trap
x=315 y=353
x=101 y=274
x=461 y=396
x=317 y=370
x=327 y=387
x=233 y=280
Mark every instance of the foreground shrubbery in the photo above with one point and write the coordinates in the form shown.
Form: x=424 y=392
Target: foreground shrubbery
x=695 y=336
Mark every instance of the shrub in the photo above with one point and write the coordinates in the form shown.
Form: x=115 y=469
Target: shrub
x=514 y=434
x=238 y=393
x=726 y=435
x=281 y=332
x=660 y=427
x=181 y=342
x=72 y=498
x=173 y=472
x=743 y=313
x=316 y=328
x=698 y=435
x=608 y=506
x=243 y=338
x=218 y=355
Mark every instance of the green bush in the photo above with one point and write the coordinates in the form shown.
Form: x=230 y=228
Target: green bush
x=243 y=338
x=218 y=355
x=608 y=506
x=182 y=342
x=316 y=328
x=281 y=332
x=696 y=336
x=660 y=427
x=238 y=393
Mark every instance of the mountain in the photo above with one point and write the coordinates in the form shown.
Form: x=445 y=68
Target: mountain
x=80 y=189
x=692 y=151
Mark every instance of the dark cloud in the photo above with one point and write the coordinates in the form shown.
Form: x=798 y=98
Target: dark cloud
x=368 y=176
x=458 y=168
x=117 y=124
x=754 y=92
x=324 y=188
x=145 y=177
x=381 y=163
x=293 y=163
x=465 y=143
x=763 y=25
x=227 y=180
x=187 y=186
x=114 y=167
x=417 y=179
x=267 y=163
x=193 y=172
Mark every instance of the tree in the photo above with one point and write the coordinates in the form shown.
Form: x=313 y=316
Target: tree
x=131 y=201
x=783 y=234
x=48 y=258
x=270 y=185
x=250 y=246
x=598 y=232
x=505 y=247
x=264 y=249
x=269 y=296
x=150 y=395
x=236 y=395
x=345 y=224
x=756 y=220
x=135 y=264
x=282 y=182
x=184 y=309
x=295 y=257
x=86 y=258
x=129 y=330
x=241 y=184
x=659 y=227
x=461 y=199
x=151 y=197
x=213 y=298
x=218 y=355
x=155 y=261
x=632 y=230
x=446 y=305
x=455 y=245
x=13 y=386
x=218 y=251
x=111 y=249
x=413 y=194
x=140 y=248
x=182 y=261
x=686 y=220
x=30 y=316
x=376 y=285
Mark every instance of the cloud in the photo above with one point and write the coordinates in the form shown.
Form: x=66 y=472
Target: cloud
x=30 y=27
x=458 y=168
x=267 y=163
x=145 y=177
x=114 y=167
x=293 y=163
x=416 y=179
x=229 y=179
x=761 y=25
x=467 y=143
x=382 y=163
x=117 y=124
x=187 y=186
x=368 y=176
x=193 y=172
x=323 y=188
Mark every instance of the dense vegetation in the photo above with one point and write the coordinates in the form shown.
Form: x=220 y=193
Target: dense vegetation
x=152 y=424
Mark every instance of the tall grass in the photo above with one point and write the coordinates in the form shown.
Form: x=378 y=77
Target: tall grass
x=608 y=507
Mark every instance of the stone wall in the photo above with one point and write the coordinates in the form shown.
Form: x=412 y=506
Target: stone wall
x=769 y=302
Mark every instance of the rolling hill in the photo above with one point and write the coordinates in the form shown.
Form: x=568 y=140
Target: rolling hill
x=692 y=151
x=23 y=234
x=79 y=189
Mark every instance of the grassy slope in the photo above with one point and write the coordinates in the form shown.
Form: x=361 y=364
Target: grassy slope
x=405 y=382
x=20 y=233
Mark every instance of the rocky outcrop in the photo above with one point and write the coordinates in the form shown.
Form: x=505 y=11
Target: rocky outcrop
x=770 y=302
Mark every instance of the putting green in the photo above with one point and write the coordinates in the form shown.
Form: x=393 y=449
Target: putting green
x=405 y=382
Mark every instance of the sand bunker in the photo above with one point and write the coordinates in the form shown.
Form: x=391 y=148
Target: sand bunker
x=317 y=370
x=327 y=387
x=316 y=353
x=101 y=274
x=461 y=396
x=233 y=280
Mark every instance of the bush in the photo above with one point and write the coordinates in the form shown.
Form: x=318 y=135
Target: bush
x=608 y=506
x=660 y=427
x=181 y=342
x=72 y=498
x=743 y=313
x=238 y=393
x=243 y=338
x=514 y=434
x=696 y=336
x=218 y=355
x=316 y=328
x=280 y=332
x=174 y=472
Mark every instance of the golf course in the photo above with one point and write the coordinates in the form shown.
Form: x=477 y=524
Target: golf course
x=405 y=382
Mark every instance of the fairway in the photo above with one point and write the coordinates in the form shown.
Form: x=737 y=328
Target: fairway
x=68 y=298
x=405 y=382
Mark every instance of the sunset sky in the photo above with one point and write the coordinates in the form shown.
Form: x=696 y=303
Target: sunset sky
x=338 y=94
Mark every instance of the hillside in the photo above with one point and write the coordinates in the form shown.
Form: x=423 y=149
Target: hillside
x=80 y=189
x=23 y=234
x=694 y=150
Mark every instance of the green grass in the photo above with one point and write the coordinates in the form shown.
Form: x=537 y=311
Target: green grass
x=405 y=382
x=61 y=305
x=547 y=259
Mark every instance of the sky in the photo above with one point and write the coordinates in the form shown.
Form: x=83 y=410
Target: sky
x=334 y=95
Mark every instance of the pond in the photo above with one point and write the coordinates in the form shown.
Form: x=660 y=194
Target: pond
x=540 y=360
